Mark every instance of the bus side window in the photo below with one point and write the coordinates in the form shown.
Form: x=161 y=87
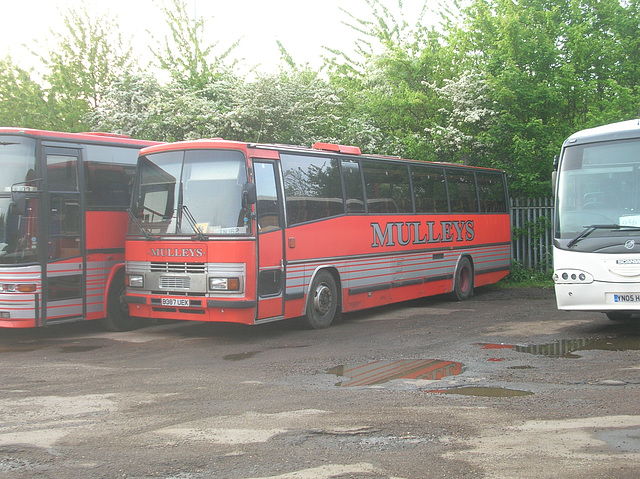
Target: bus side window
x=491 y=191
x=429 y=189
x=387 y=186
x=313 y=188
x=462 y=191
x=353 y=186
x=267 y=208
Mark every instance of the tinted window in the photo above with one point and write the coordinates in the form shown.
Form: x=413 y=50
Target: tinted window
x=491 y=192
x=353 y=186
x=430 y=189
x=387 y=187
x=313 y=189
x=109 y=173
x=462 y=191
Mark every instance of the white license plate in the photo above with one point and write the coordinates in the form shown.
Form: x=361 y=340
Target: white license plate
x=626 y=298
x=174 y=302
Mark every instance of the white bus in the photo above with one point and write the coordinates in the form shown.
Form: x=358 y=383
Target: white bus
x=596 y=254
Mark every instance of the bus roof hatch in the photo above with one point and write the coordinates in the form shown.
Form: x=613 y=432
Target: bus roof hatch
x=349 y=150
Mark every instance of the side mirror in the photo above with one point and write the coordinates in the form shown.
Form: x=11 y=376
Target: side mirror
x=249 y=195
x=554 y=174
x=18 y=203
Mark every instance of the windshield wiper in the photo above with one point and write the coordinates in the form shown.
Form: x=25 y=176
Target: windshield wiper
x=145 y=232
x=192 y=221
x=590 y=229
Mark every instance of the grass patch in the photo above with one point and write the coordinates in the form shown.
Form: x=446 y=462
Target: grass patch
x=521 y=277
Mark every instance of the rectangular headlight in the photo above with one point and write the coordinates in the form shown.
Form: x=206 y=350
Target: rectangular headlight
x=17 y=288
x=224 y=284
x=135 y=281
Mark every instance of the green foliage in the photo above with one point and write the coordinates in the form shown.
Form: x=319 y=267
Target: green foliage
x=85 y=60
x=524 y=277
x=498 y=83
x=22 y=100
x=183 y=54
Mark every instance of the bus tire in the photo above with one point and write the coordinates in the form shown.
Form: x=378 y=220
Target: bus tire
x=619 y=315
x=323 y=301
x=117 y=318
x=463 y=280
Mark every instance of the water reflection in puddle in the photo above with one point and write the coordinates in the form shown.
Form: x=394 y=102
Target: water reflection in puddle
x=566 y=347
x=379 y=372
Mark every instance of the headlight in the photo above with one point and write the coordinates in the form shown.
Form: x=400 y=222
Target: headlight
x=135 y=281
x=17 y=288
x=224 y=284
x=572 y=276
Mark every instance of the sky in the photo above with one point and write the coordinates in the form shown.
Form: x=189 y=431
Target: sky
x=303 y=26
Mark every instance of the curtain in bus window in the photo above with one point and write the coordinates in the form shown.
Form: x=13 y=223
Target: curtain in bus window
x=492 y=193
x=429 y=189
x=387 y=187
x=313 y=189
x=462 y=191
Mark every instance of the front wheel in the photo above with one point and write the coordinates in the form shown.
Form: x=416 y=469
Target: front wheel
x=322 y=303
x=118 y=318
x=463 y=280
x=619 y=315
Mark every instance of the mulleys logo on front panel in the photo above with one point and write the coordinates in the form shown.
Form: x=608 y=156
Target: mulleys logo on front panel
x=404 y=233
x=176 y=252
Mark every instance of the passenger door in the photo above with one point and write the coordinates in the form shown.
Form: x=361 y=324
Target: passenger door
x=270 y=235
x=64 y=278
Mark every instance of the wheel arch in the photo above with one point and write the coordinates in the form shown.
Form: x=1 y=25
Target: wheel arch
x=458 y=273
x=333 y=270
x=116 y=271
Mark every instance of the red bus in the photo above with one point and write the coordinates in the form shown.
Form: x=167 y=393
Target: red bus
x=63 y=219
x=250 y=233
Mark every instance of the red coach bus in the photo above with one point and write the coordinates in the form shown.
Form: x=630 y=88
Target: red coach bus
x=250 y=233
x=63 y=219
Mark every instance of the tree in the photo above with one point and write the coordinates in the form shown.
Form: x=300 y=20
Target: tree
x=22 y=100
x=295 y=107
x=83 y=63
x=393 y=84
x=184 y=55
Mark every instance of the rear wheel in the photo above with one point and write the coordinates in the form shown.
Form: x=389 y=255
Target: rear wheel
x=118 y=318
x=323 y=301
x=619 y=315
x=463 y=280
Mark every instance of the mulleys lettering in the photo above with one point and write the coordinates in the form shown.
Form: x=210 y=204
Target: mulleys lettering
x=415 y=233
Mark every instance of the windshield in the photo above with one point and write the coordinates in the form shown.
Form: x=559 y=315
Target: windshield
x=17 y=231
x=190 y=192
x=599 y=192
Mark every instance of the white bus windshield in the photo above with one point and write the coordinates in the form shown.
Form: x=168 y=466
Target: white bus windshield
x=599 y=190
x=190 y=192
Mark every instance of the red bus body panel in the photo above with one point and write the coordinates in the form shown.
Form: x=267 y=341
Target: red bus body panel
x=377 y=259
x=104 y=234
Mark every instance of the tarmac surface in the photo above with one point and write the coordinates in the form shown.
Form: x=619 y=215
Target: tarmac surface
x=501 y=386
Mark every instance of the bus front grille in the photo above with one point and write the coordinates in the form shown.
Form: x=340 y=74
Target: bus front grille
x=190 y=268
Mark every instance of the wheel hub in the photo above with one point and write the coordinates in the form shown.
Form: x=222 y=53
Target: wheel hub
x=322 y=299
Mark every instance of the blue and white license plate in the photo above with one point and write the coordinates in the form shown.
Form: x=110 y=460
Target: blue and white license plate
x=626 y=298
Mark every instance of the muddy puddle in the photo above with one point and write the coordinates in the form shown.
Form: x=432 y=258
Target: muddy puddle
x=485 y=392
x=567 y=348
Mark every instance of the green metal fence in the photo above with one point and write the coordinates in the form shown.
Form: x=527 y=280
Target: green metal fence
x=532 y=224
